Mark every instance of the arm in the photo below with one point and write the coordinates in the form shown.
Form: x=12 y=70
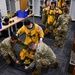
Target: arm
x=32 y=64
x=58 y=21
x=41 y=33
x=21 y=43
x=21 y=30
x=51 y=56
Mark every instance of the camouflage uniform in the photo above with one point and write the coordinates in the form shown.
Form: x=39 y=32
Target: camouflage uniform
x=44 y=56
x=62 y=28
x=6 y=49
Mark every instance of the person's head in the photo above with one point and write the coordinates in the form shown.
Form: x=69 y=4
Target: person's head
x=65 y=10
x=32 y=46
x=53 y=4
x=14 y=38
x=27 y=23
x=47 y=2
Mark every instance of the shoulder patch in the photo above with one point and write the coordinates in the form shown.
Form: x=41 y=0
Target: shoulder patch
x=39 y=28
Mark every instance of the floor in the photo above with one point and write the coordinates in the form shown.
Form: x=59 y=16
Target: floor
x=63 y=54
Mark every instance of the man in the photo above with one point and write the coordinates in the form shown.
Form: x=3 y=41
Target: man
x=62 y=27
x=6 y=48
x=67 y=5
x=44 y=57
x=52 y=12
x=33 y=33
x=44 y=11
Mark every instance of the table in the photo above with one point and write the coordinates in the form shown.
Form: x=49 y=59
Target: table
x=16 y=20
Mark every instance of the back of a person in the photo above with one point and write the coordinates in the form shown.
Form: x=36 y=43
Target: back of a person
x=44 y=49
x=65 y=19
x=6 y=41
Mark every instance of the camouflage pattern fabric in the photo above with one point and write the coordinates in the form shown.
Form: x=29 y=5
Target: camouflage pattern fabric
x=6 y=48
x=44 y=56
x=62 y=27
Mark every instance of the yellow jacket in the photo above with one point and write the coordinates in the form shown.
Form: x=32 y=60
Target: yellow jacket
x=31 y=34
x=52 y=14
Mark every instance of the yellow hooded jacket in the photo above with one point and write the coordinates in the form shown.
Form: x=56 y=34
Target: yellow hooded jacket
x=31 y=34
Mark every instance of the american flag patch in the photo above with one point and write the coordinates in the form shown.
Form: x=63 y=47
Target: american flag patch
x=39 y=28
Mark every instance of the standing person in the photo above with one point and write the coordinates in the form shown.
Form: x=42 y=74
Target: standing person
x=6 y=48
x=67 y=5
x=44 y=57
x=52 y=11
x=44 y=11
x=62 y=27
x=33 y=33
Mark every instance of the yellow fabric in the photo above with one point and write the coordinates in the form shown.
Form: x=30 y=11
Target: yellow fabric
x=24 y=54
x=61 y=3
x=35 y=31
x=27 y=61
x=51 y=21
x=51 y=16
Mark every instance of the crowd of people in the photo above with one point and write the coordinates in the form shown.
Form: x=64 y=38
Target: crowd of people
x=56 y=18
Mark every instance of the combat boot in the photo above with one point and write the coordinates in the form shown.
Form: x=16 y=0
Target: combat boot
x=36 y=72
x=55 y=65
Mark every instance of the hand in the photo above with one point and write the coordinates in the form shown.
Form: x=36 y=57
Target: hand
x=25 y=67
x=40 y=41
x=17 y=62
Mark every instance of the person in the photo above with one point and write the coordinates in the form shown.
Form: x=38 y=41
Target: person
x=6 y=48
x=67 y=5
x=62 y=28
x=33 y=32
x=44 y=11
x=44 y=57
x=52 y=12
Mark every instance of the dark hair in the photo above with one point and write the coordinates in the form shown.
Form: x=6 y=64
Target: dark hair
x=46 y=1
x=65 y=10
x=13 y=36
x=67 y=2
x=53 y=2
x=27 y=22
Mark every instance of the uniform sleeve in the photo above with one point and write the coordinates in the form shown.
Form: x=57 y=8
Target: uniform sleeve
x=21 y=30
x=51 y=56
x=58 y=21
x=40 y=32
x=59 y=11
x=20 y=42
x=32 y=64
x=12 y=53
